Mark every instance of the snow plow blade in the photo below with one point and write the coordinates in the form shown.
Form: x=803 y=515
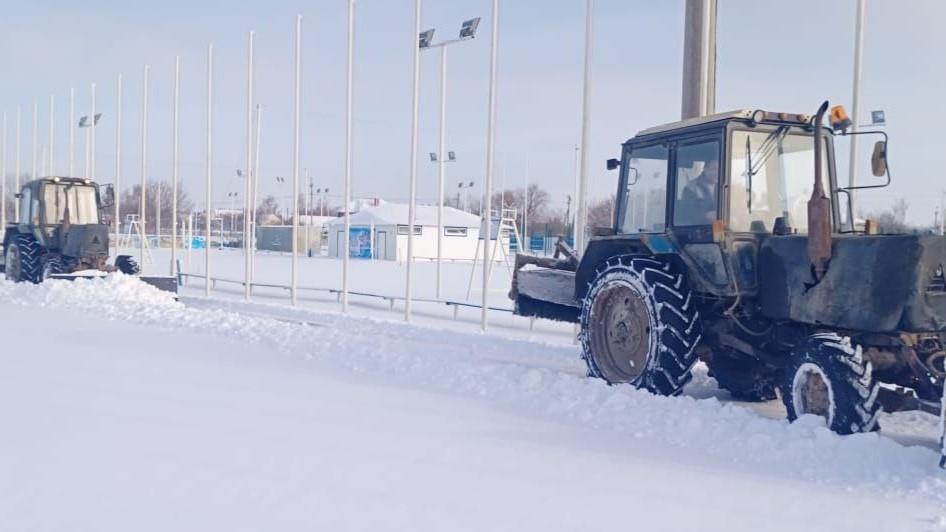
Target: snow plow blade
x=163 y=283
x=942 y=438
x=547 y=289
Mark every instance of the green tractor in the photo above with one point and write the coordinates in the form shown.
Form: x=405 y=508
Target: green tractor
x=725 y=248
x=61 y=234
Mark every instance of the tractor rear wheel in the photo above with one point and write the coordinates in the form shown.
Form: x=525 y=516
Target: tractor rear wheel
x=829 y=377
x=639 y=325
x=23 y=261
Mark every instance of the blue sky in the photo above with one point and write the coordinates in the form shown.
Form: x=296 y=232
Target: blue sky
x=777 y=55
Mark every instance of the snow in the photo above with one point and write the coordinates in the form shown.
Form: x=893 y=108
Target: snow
x=124 y=409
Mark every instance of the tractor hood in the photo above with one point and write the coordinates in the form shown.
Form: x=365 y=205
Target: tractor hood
x=85 y=241
x=884 y=283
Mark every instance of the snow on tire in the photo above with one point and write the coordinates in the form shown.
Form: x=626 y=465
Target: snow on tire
x=639 y=325
x=829 y=377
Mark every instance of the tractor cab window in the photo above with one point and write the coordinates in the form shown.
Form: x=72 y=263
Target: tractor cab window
x=697 y=184
x=75 y=201
x=25 y=206
x=645 y=194
x=772 y=173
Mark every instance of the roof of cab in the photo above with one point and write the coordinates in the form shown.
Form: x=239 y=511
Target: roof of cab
x=743 y=114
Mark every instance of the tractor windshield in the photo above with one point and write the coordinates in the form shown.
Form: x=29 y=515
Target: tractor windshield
x=78 y=201
x=771 y=175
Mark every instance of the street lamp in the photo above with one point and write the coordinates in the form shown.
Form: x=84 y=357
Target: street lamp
x=467 y=32
x=460 y=186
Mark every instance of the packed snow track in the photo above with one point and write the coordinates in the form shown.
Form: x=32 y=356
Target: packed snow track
x=124 y=409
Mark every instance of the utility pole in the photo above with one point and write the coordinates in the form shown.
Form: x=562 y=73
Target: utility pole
x=856 y=99
x=699 y=59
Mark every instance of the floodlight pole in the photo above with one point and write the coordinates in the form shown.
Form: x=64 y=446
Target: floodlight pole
x=346 y=248
x=248 y=185
x=415 y=104
x=72 y=132
x=490 y=164
x=582 y=200
x=297 y=89
x=175 y=161
x=856 y=99
x=118 y=162
x=443 y=161
x=143 y=209
x=209 y=199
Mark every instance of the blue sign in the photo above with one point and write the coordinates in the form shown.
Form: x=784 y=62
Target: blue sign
x=359 y=243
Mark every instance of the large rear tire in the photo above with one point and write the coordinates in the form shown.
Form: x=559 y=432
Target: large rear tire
x=829 y=377
x=23 y=260
x=639 y=325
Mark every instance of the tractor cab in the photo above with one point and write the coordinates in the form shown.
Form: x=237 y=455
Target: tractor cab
x=712 y=189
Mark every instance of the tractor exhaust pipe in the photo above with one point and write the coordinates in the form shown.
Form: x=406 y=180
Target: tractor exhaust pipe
x=819 y=208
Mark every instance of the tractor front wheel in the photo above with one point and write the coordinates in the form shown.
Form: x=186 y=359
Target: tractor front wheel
x=23 y=259
x=830 y=378
x=639 y=325
x=127 y=265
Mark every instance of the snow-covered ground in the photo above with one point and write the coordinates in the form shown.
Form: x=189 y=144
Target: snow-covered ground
x=125 y=410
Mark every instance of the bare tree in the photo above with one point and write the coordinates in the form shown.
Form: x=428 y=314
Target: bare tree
x=601 y=213
x=893 y=220
x=131 y=203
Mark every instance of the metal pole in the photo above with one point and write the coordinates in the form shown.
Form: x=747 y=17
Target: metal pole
x=308 y=213
x=92 y=136
x=942 y=212
x=143 y=210
x=297 y=89
x=52 y=132
x=525 y=209
x=856 y=99
x=118 y=161
x=209 y=204
x=346 y=248
x=699 y=59
x=412 y=196
x=443 y=162
x=490 y=164
x=254 y=203
x=16 y=167
x=581 y=213
x=72 y=132
x=175 y=161
x=248 y=188
x=35 y=139
x=3 y=176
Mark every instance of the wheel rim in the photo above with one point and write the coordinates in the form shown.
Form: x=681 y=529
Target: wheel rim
x=812 y=394
x=12 y=266
x=620 y=332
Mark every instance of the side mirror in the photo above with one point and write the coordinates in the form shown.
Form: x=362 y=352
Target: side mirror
x=613 y=164
x=109 y=197
x=878 y=159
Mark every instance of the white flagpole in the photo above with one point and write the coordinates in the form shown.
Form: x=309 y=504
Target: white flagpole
x=52 y=132
x=208 y=215
x=175 y=161
x=346 y=248
x=3 y=176
x=143 y=207
x=16 y=167
x=248 y=171
x=297 y=89
x=72 y=132
x=35 y=138
x=92 y=136
x=490 y=166
x=118 y=162
x=413 y=184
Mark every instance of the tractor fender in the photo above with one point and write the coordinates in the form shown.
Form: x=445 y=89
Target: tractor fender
x=600 y=249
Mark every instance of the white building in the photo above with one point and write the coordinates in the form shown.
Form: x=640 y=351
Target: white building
x=380 y=232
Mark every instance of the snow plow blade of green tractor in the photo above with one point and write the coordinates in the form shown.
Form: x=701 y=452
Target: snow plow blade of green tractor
x=163 y=283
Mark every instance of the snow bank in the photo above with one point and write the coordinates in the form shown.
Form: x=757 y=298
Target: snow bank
x=530 y=378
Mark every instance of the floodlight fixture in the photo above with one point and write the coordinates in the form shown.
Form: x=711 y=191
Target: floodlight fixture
x=468 y=29
x=433 y=157
x=84 y=121
x=878 y=118
x=425 y=38
x=451 y=156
